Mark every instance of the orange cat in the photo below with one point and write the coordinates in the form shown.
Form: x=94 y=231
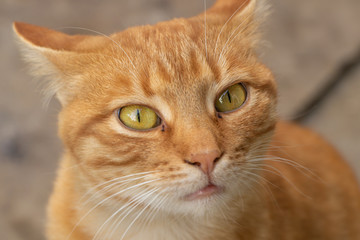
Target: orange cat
x=170 y=132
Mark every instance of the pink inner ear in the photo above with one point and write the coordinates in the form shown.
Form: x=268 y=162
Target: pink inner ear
x=43 y=37
x=228 y=6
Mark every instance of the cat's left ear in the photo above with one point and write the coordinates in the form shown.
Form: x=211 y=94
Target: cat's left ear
x=53 y=55
x=237 y=18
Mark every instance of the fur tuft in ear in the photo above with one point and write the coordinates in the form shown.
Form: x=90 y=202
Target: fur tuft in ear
x=238 y=14
x=236 y=25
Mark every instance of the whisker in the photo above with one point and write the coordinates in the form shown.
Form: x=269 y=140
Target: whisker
x=277 y=172
x=155 y=210
x=280 y=174
x=230 y=37
x=205 y=29
x=226 y=218
x=261 y=148
x=124 y=206
x=247 y=184
x=130 y=225
x=259 y=176
x=109 y=187
x=114 y=180
x=106 y=199
x=223 y=27
x=306 y=171
x=133 y=199
x=266 y=187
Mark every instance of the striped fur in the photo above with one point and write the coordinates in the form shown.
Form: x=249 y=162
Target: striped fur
x=117 y=183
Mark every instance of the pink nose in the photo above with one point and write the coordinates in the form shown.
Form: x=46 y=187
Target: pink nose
x=205 y=161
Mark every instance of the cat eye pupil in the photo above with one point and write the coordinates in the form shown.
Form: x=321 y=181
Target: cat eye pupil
x=138 y=117
x=228 y=94
x=138 y=114
x=231 y=99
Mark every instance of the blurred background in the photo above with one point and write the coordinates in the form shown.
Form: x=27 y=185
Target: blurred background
x=306 y=43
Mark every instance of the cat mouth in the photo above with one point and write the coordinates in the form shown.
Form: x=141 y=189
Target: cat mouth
x=205 y=192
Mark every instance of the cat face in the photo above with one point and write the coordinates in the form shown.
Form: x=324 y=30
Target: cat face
x=190 y=152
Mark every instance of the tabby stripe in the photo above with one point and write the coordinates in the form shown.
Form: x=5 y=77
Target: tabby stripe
x=163 y=73
x=106 y=162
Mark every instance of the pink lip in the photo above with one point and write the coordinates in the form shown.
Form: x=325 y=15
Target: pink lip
x=203 y=193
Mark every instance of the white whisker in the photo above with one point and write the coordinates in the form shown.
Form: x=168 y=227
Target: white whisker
x=205 y=30
x=109 y=188
x=230 y=37
x=113 y=180
x=265 y=186
x=106 y=199
x=259 y=176
x=223 y=27
x=306 y=171
x=155 y=209
x=115 y=224
x=130 y=225
x=277 y=172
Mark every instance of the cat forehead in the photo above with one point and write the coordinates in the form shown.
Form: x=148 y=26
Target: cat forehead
x=174 y=33
x=171 y=54
x=180 y=45
x=162 y=46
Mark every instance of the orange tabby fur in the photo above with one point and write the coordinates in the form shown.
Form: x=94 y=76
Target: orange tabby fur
x=178 y=69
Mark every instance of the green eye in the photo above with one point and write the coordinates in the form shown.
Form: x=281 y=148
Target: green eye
x=139 y=117
x=232 y=98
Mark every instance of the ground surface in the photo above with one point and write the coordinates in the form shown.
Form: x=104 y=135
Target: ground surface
x=306 y=42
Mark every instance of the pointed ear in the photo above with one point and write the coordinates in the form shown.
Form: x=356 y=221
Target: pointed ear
x=52 y=55
x=237 y=19
x=47 y=38
x=227 y=11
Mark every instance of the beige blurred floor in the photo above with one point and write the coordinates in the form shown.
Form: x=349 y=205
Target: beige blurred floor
x=306 y=42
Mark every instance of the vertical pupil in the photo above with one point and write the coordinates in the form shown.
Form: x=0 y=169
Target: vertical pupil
x=138 y=114
x=229 y=97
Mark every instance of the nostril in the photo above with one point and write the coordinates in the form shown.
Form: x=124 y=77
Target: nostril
x=192 y=163
x=205 y=161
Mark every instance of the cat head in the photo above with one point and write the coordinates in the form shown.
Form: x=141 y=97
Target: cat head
x=172 y=112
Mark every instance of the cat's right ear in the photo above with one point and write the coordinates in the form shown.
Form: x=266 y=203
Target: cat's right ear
x=52 y=55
